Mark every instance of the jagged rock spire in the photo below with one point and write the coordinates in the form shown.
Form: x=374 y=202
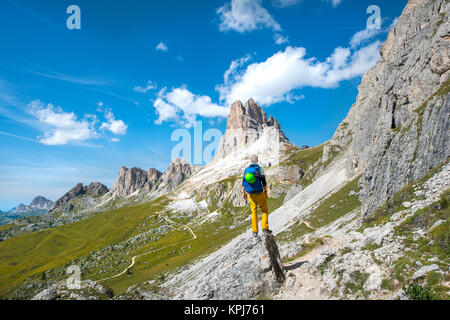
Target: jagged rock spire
x=245 y=125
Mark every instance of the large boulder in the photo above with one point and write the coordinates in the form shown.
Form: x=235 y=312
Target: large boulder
x=244 y=269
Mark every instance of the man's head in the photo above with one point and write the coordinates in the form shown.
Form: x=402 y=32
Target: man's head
x=254 y=159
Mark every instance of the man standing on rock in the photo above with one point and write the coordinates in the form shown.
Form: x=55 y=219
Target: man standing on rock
x=254 y=184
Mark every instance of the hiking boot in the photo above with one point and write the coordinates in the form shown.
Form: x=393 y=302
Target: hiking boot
x=267 y=231
x=255 y=234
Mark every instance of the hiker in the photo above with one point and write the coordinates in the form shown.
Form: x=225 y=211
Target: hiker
x=254 y=184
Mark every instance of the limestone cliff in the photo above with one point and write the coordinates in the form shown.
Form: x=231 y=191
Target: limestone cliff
x=245 y=125
x=398 y=129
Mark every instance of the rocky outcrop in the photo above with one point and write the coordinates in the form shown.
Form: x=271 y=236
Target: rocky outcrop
x=41 y=203
x=129 y=181
x=399 y=127
x=94 y=189
x=252 y=266
x=245 y=125
x=136 y=180
x=178 y=171
x=73 y=193
x=86 y=290
x=153 y=176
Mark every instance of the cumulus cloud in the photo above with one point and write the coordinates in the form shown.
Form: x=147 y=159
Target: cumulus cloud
x=62 y=127
x=118 y=127
x=149 y=86
x=182 y=106
x=277 y=78
x=162 y=46
x=245 y=15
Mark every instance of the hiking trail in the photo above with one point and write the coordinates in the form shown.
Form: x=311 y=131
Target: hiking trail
x=133 y=259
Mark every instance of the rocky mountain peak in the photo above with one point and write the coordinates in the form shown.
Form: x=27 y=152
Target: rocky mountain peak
x=245 y=125
x=41 y=202
x=154 y=175
x=134 y=180
x=129 y=181
x=248 y=116
x=178 y=171
x=94 y=189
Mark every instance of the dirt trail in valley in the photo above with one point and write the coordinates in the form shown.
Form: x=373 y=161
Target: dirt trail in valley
x=133 y=259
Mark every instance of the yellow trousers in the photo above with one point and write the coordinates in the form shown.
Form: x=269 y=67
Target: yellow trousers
x=259 y=200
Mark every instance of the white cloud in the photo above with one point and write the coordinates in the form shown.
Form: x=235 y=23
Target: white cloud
x=334 y=3
x=363 y=36
x=118 y=127
x=234 y=66
x=280 y=39
x=367 y=34
x=162 y=46
x=115 y=139
x=182 y=106
x=245 y=15
x=61 y=127
x=277 y=78
x=149 y=86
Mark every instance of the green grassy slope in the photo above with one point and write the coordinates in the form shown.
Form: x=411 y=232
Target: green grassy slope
x=100 y=244
x=34 y=253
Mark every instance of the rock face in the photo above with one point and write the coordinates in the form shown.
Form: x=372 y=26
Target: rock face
x=250 y=268
x=129 y=181
x=88 y=290
x=178 y=171
x=134 y=180
x=94 y=189
x=37 y=205
x=41 y=203
x=399 y=127
x=245 y=125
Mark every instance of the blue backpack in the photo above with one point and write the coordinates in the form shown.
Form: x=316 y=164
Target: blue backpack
x=257 y=186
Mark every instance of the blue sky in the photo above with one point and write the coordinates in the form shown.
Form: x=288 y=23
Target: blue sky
x=75 y=105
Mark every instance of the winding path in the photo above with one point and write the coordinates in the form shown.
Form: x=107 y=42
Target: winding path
x=133 y=259
x=306 y=223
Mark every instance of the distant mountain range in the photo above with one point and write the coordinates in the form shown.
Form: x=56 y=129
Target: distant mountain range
x=37 y=207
